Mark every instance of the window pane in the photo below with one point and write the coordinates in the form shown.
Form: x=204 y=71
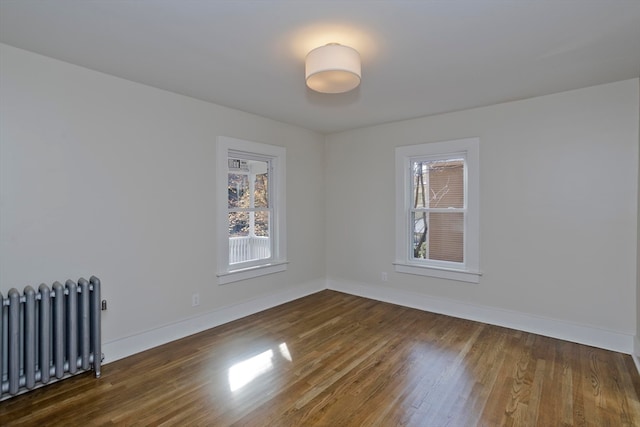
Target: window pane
x=420 y=184
x=446 y=236
x=243 y=244
x=443 y=237
x=438 y=183
x=261 y=190
x=238 y=224
x=262 y=224
x=419 y=235
x=238 y=190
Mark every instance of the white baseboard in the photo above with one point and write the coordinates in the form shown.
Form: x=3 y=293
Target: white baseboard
x=582 y=334
x=123 y=347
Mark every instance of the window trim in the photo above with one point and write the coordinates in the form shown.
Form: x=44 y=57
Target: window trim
x=225 y=272
x=469 y=270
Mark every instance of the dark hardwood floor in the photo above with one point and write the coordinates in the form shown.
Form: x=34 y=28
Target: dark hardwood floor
x=332 y=359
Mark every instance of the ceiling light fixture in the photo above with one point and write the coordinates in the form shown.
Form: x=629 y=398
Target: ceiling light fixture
x=333 y=68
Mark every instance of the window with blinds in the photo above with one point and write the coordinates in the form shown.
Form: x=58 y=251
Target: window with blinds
x=437 y=209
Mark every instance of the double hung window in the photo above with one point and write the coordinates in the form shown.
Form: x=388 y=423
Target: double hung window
x=250 y=212
x=251 y=217
x=438 y=208
x=437 y=221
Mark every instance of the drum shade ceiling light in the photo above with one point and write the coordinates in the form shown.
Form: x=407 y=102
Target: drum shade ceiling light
x=333 y=68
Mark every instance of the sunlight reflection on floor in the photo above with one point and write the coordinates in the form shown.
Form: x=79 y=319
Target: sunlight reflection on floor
x=242 y=373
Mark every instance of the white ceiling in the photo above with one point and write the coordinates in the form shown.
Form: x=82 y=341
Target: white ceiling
x=419 y=57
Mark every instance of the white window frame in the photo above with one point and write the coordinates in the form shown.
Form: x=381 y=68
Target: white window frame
x=229 y=147
x=469 y=269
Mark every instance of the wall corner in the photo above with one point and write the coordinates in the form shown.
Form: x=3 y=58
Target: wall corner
x=636 y=352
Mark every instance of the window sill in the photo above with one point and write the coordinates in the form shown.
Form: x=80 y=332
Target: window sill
x=442 y=273
x=251 y=272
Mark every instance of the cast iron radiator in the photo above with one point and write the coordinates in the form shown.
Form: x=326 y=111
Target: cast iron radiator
x=49 y=334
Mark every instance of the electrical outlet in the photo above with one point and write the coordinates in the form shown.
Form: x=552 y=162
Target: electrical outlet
x=195 y=300
x=384 y=277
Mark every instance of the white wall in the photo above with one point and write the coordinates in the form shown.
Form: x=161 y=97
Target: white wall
x=637 y=338
x=102 y=176
x=559 y=204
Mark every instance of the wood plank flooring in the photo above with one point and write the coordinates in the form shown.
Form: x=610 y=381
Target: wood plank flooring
x=332 y=359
